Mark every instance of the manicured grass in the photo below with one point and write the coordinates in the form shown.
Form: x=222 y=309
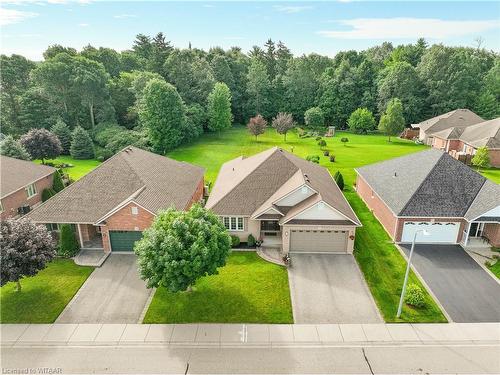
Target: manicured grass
x=246 y=290
x=384 y=269
x=492 y=173
x=495 y=268
x=44 y=296
x=80 y=167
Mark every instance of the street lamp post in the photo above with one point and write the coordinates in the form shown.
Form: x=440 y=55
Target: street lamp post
x=400 y=307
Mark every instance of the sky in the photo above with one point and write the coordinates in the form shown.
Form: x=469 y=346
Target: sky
x=27 y=27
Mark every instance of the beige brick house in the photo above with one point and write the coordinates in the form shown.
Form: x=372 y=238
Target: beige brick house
x=431 y=190
x=113 y=204
x=21 y=186
x=282 y=199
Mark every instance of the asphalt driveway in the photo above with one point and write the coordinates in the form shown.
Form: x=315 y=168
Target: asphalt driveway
x=113 y=293
x=466 y=291
x=329 y=288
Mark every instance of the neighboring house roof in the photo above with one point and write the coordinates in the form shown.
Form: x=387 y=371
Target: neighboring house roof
x=16 y=174
x=451 y=133
x=150 y=180
x=486 y=133
x=245 y=186
x=427 y=184
x=487 y=199
x=459 y=118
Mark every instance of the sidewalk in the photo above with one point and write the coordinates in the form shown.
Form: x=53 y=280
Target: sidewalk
x=268 y=335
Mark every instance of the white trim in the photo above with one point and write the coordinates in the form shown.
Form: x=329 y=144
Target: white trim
x=293 y=191
x=222 y=217
x=28 y=188
x=122 y=204
x=31 y=183
x=80 y=234
x=312 y=206
x=264 y=212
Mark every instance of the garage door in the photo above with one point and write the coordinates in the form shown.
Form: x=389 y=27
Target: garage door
x=310 y=241
x=123 y=240
x=438 y=232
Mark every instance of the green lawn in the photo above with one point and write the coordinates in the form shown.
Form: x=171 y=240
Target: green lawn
x=44 y=296
x=247 y=290
x=493 y=174
x=80 y=167
x=495 y=268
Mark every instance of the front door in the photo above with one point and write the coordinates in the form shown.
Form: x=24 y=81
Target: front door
x=476 y=229
x=270 y=226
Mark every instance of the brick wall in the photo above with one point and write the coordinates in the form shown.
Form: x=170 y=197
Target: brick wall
x=495 y=158
x=198 y=194
x=492 y=232
x=439 y=143
x=376 y=205
x=19 y=198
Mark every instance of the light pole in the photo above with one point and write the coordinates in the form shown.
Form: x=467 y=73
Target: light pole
x=400 y=307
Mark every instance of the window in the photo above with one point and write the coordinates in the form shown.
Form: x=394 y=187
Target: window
x=135 y=210
x=52 y=227
x=233 y=223
x=31 y=190
x=1 y=207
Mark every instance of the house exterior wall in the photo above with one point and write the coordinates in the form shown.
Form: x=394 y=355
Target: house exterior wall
x=19 y=198
x=198 y=194
x=88 y=231
x=495 y=158
x=401 y=221
x=123 y=219
x=384 y=215
x=492 y=232
x=286 y=234
x=250 y=226
x=439 y=143
x=454 y=144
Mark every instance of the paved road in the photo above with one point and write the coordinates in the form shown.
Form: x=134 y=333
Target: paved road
x=113 y=293
x=468 y=359
x=329 y=288
x=466 y=291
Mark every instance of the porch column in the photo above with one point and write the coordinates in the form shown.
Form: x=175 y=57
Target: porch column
x=467 y=236
x=80 y=238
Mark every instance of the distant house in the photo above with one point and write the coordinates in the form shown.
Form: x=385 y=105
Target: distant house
x=286 y=201
x=459 y=118
x=111 y=206
x=463 y=142
x=21 y=186
x=431 y=190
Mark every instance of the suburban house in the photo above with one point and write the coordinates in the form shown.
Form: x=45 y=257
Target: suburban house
x=459 y=118
x=462 y=143
x=280 y=198
x=22 y=183
x=431 y=190
x=113 y=204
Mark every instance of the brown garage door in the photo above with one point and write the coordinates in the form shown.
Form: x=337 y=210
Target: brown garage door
x=318 y=241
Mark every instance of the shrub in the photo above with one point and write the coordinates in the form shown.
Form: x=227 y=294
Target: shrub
x=68 y=244
x=415 y=296
x=100 y=158
x=313 y=158
x=318 y=138
x=339 y=179
x=57 y=184
x=326 y=152
x=47 y=193
x=104 y=132
x=488 y=264
x=332 y=158
x=322 y=143
x=344 y=140
x=235 y=241
x=251 y=240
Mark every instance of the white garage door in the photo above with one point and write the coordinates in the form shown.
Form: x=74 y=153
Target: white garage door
x=316 y=241
x=446 y=232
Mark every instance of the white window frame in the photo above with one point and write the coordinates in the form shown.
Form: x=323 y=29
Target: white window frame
x=1 y=207
x=31 y=190
x=234 y=223
x=135 y=210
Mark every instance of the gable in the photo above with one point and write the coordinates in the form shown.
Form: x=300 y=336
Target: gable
x=295 y=196
x=319 y=211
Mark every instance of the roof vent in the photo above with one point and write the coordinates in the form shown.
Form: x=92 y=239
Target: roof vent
x=395 y=175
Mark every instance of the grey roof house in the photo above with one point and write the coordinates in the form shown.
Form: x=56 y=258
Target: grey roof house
x=283 y=200
x=431 y=190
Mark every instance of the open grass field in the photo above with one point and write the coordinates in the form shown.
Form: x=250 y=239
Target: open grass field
x=247 y=290
x=44 y=296
x=80 y=167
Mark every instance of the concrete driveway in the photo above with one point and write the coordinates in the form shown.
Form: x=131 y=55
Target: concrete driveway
x=466 y=291
x=113 y=293
x=329 y=288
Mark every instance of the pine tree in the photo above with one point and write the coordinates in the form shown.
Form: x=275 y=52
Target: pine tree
x=10 y=147
x=63 y=132
x=81 y=144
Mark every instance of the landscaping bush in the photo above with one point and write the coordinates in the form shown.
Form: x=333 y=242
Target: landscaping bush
x=414 y=296
x=313 y=158
x=251 y=240
x=47 y=193
x=326 y=153
x=344 y=140
x=322 y=143
x=332 y=158
x=235 y=241
x=318 y=138
x=104 y=132
x=339 y=179
x=100 y=158
x=68 y=244
x=57 y=184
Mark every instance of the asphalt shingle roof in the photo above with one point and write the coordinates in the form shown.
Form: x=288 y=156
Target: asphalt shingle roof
x=486 y=133
x=458 y=118
x=153 y=181
x=15 y=174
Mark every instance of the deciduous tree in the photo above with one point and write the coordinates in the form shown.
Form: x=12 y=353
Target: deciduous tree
x=314 y=117
x=361 y=121
x=481 y=159
x=219 y=108
x=41 y=144
x=283 y=122
x=10 y=147
x=257 y=125
x=392 y=121
x=258 y=88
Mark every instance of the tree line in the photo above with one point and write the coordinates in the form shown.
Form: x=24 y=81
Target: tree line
x=160 y=96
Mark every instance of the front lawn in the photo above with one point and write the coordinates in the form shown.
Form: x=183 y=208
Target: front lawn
x=44 y=296
x=80 y=167
x=247 y=290
x=495 y=268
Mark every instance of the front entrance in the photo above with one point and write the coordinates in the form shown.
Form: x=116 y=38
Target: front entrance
x=476 y=229
x=123 y=240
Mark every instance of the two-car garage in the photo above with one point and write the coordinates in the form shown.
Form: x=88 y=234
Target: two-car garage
x=430 y=231
x=318 y=241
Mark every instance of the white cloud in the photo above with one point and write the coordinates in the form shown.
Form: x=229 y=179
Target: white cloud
x=83 y=24
x=120 y=16
x=407 y=28
x=291 y=8
x=10 y=16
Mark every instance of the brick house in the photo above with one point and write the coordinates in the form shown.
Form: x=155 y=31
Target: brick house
x=431 y=190
x=462 y=143
x=22 y=183
x=111 y=206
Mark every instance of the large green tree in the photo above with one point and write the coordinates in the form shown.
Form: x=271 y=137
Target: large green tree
x=41 y=144
x=258 y=89
x=81 y=144
x=10 y=147
x=63 y=133
x=163 y=113
x=182 y=246
x=361 y=121
x=219 y=108
x=392 y=121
